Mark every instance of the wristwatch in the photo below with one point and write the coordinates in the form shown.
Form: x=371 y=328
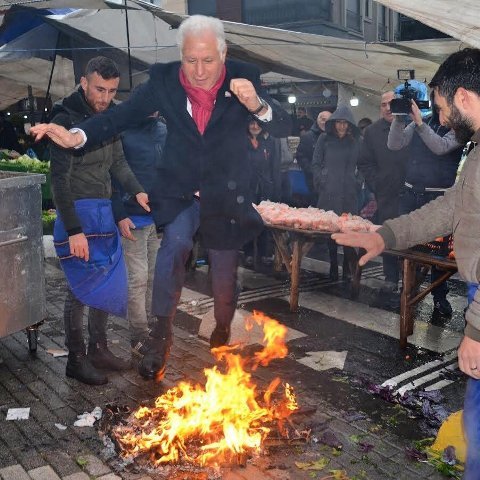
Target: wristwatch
x=263 y=104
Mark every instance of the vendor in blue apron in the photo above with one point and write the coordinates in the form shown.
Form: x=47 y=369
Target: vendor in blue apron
x=85 y=235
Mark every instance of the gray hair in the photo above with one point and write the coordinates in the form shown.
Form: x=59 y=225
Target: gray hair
x=196 y=24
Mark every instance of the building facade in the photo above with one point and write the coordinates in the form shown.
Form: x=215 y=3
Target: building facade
x=355 y=19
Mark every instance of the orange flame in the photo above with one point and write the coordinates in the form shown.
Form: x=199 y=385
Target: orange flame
x=214 y=423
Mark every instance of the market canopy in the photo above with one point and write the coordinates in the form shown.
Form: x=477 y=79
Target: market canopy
x=459 y=19
x=371 y=67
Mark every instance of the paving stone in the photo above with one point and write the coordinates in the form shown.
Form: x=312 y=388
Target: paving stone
x=29 y=457
x=110 y=476
x=61 y=461
x=77 y=476
x=94 y=466
x=15 y=472
x=43 y=473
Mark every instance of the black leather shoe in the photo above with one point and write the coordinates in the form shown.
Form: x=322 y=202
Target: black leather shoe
x=102 y=358
x=154 y=362
x=442 y=307
x=220 y=336
x=80 y=368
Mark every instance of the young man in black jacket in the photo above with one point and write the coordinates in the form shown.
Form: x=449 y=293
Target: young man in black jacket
x=81 y=188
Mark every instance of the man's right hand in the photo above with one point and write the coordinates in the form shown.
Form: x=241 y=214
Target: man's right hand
x=372 y=242
x=79 y=246
x=126 y=226
x=60 y=135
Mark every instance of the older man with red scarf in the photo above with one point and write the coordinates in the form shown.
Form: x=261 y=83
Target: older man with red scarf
x=203 y=180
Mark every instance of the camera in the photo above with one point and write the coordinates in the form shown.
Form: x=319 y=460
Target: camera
x=410 y=90
x=403 y=106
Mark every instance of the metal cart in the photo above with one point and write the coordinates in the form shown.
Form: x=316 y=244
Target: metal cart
x=22 y=280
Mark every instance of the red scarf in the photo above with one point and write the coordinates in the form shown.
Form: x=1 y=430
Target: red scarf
x=203 y=101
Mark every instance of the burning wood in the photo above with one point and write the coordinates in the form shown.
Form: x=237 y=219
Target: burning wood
x=220 y=422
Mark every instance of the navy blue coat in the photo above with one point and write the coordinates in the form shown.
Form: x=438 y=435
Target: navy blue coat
x=214 y=163
x=143 y=146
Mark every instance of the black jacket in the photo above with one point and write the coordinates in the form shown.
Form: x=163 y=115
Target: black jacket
x=143 y=146
x=213 y=163
x=86 y=172
x=383 y=169
x=304 y=154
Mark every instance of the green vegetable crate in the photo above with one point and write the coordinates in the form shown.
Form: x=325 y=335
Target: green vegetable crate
x=30 y=165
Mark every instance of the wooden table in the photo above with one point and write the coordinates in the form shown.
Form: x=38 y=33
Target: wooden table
x=292 y=244
x=411 y=294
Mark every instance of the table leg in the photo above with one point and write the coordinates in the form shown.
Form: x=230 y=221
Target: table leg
x=281 y=242
x=297 y=250
x=406 y=317
x=353 y=256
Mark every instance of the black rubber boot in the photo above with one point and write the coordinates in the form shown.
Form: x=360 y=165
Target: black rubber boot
x=220 y=336
x=80 y=368
x=103 y=359
x=159 y=342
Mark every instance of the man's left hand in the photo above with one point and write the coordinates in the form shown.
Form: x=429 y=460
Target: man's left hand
x=416 y=114
x=469 y=357
x=142 y=199
x=245 y=92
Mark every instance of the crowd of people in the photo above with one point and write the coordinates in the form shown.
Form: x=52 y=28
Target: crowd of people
x=224 y=146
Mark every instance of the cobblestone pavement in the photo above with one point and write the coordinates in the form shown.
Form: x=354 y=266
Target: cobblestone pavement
x=39 y=449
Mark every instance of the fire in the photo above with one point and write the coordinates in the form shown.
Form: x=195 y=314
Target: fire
x=213 y=424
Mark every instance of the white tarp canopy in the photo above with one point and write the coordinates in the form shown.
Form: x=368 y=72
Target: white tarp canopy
x=457 y=18
x=27 y=59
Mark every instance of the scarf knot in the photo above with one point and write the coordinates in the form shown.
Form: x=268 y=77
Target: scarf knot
x=202 y=101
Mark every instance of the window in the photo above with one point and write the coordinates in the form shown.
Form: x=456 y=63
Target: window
x=367 y=9
x=202 y=7
x=353 y=15
x=382 y=23
x=274 y=12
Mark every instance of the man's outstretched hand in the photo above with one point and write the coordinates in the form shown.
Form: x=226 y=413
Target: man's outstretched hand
x=58 y=134
x=142 y=199
x=371 y=242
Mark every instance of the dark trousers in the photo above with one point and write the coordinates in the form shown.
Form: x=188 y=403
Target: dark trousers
x=73 y=319
x=409 y=201
x=471 y=417
x=348 y=257
x=177 y=242
x=388 y=207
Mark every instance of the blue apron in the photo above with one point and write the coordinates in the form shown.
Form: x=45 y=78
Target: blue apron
x=102 y=281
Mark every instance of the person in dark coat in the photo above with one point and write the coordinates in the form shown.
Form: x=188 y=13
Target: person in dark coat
x=384 y=172
x=333 y=168
x=305 y=148
x=203 y=180
x=8 y=135
x=263 y=156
